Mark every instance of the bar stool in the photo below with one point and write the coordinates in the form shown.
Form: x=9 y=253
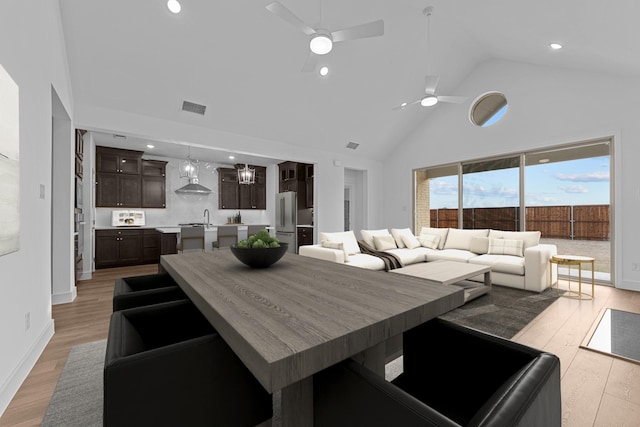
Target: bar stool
x=130 y=292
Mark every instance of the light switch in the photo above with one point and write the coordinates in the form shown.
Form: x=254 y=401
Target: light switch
x=42 y=191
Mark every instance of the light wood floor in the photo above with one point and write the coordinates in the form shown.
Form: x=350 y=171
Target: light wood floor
x=597 y=390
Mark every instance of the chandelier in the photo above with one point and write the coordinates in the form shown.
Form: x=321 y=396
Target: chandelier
x=189 y=167
x=246 y=175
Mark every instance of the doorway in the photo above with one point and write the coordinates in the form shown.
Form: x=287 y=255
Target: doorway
x=354 y=199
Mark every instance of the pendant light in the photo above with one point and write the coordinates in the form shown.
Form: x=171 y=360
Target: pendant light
x=246 y=175
x=190 y=169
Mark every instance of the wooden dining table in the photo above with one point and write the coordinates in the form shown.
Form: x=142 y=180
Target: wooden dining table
x=302 y=315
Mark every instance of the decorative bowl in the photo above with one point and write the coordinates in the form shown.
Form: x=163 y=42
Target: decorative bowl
x=259 y=257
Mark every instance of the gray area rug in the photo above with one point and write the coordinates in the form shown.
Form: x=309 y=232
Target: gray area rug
x=77 y=399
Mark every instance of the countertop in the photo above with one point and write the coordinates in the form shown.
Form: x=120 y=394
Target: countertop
x=304 y=225
x=170 y=228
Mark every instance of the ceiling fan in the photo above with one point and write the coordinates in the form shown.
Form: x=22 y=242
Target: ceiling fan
x=321 y=41
x=431 y=82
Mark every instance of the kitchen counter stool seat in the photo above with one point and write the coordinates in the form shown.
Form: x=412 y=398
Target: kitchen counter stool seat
x=166 y=365
x=136 y=291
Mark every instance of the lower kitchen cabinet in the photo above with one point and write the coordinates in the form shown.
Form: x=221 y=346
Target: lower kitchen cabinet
x=305 y=236
x=150 y=246
x=116 y=248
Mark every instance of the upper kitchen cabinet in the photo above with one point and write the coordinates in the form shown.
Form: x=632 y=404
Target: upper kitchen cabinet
x=125 y=180
x=233 y=195
x=297 y=177
x=153 y=184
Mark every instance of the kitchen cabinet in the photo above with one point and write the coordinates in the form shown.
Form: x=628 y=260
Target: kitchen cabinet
x=254 y=196
x=297 y=177
x=228 y=191
x=305 y=236
x=150 y=247
x=309 y=185
x=115 y=248
x=115 y=190
x=115 y=160
x=153 y=182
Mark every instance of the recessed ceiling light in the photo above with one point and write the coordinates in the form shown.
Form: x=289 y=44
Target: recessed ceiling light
x=555 y=46
x=543 y=161
x=150 y=146
x=232 y=157
x=324 y=71
x=174 y=6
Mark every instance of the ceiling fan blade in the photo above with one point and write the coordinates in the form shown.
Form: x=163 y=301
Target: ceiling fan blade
x=370 y=29
x=311 y=63
x=430 y=84
x=405 y=105
x=452 y=99
x=280 y=10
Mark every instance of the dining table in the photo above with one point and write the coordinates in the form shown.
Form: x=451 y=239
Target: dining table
x=302 y=315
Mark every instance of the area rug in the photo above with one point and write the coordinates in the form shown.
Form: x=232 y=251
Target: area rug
x=77 y=399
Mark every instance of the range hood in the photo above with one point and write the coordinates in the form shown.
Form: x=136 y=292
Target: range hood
x=193 y=188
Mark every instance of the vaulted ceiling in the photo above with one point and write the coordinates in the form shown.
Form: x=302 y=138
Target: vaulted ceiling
x=244 y=63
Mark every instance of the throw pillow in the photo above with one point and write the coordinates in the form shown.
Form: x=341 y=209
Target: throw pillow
x=397 y=234
x=429 y=240
x=442 y=232
x=479 y=245
x=330 y=244
x=383 y=243
x=529 y=238
x=367 y=235
x=410 y=241
x=347 y=237
x=461 y=239
x=505 y=247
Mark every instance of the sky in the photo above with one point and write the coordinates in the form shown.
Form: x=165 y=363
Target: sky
x=575 y=182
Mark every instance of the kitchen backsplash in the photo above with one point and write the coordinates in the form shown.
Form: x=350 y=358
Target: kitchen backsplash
x=188 y=208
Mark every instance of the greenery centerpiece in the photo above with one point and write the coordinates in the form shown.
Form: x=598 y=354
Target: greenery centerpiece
x=260 y=250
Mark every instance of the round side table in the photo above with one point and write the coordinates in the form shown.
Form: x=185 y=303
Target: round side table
x=568 y=261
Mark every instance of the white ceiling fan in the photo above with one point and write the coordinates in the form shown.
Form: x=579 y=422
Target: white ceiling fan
x=321 y=40
x=431 y=82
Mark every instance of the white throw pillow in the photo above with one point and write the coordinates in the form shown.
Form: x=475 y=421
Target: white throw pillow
x=367 y=235
x=529 y=238
x=442 y=232
x=479 y=245
x=330 y=244
x=347 y=237
x=461 y=239
x=410 y=241
x=430 y=241
x=397 y=234
x=505 y=247
x=383 y=243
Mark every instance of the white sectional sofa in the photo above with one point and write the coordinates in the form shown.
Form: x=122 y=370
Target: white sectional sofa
x=517 y=259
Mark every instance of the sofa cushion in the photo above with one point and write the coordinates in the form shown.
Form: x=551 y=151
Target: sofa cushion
x=367 y=235
x=530 y=238
x=408 y=256
x=442 y=232
x=505 y=247
x=410 y=241
x=501 y=263
x=331 y=244
x=382 y=243
x=459 y=255
x=461 y=239
x=346 y=237
x=369 y=262
x=430 y=241
x=397 y=234
x=479 y=245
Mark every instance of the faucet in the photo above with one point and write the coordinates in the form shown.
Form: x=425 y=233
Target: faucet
x=206 y=215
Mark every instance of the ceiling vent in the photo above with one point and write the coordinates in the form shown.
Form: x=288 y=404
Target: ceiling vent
x=352 y=145
x=192 y=107
x=116 y=136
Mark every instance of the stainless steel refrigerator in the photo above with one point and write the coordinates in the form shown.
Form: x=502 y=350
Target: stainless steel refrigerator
x=286 y=218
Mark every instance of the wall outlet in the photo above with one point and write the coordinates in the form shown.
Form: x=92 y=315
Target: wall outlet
x=27 y=321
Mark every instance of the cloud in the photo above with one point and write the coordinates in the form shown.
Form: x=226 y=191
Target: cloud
x=574 y=189
x=584 y=177
x=443 y=188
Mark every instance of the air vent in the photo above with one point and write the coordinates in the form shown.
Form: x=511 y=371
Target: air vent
x=352 y=145
x=192 y=107
x=116 y=136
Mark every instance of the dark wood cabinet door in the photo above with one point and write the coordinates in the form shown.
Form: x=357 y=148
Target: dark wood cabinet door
x=305 y=236
x=107 y=190
x=106 y=249
x=309 y=191
x=107 y=162
x=153 y=167
x=130 y=164
x=168 y=243
x=129 y=191
x=130 y=248
x=228 y=189
x=150 y=246
x=153 y=192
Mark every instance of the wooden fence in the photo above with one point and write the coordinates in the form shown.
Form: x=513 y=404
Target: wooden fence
x=582 y=222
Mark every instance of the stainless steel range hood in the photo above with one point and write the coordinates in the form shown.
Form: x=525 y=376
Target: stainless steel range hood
x=193 y=188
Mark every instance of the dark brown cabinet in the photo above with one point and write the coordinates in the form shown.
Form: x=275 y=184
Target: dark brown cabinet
x=153 y=182
x=305 y=236
x=297 y=177
x=116 y=248
x=233 y=195
x=114 y=160
x=150 y=246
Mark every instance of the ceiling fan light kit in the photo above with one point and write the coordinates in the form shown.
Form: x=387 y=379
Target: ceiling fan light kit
x=321 y=43
x=429 y=101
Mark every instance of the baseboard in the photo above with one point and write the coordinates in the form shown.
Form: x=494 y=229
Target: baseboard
x=65 y=297
x=9 y=389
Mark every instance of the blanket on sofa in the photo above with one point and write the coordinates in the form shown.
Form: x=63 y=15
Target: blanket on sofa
x=390 y=261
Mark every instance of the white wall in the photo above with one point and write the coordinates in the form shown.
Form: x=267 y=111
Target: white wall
x=31 y=51
x=547 y=107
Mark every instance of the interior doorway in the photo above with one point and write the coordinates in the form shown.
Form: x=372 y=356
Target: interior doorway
x=354 y=200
